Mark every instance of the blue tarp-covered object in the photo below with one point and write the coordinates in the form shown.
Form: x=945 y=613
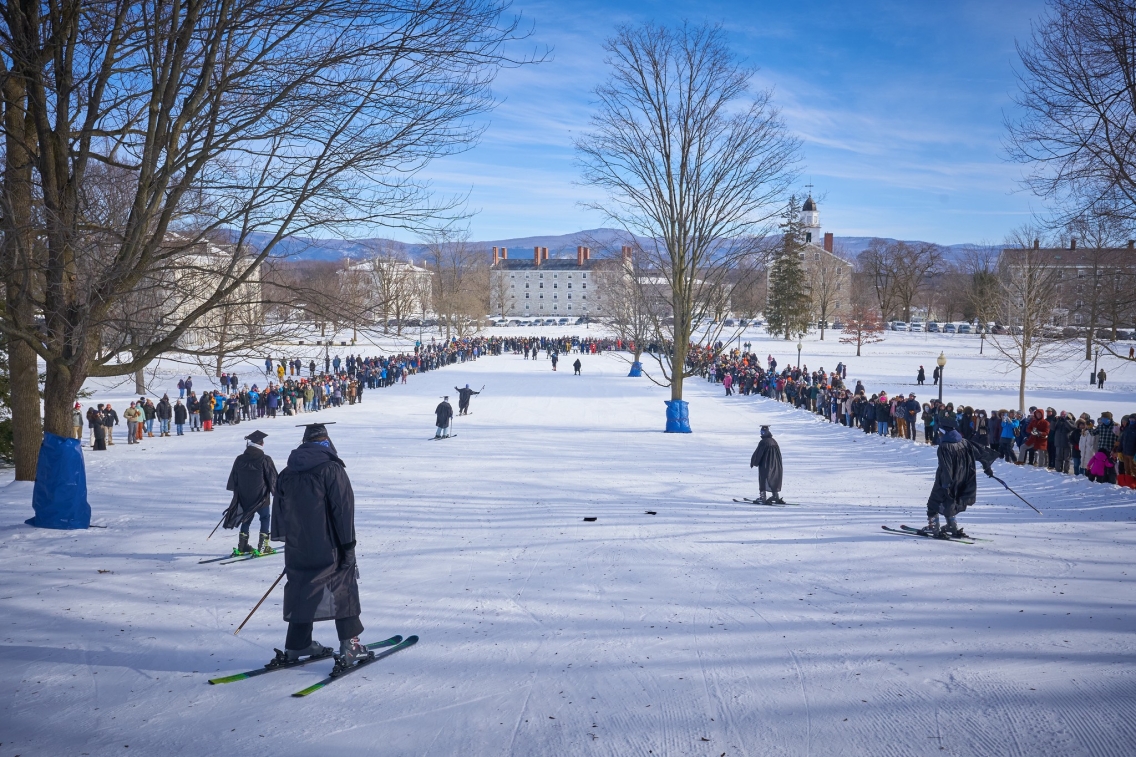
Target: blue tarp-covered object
x=678 y=417
x=636 y=369
x=60 y=494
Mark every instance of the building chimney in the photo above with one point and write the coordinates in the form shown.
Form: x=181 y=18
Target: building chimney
x=579 y=255
x=626 y=254
x=496 y=257
x=587 y=253
x=544 y=253
x=828 y=241
x=1073 y=243
x=536 y=256
x=1131 y=243
x=504 y=253
x=1037 y=244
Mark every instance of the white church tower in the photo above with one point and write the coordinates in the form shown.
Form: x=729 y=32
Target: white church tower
x=810 y=220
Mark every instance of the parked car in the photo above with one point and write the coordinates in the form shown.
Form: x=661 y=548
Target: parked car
x=916 y=327
x=581 y=320
x=964 y=328
x=899 y=326
x=932 y=327
x=1125 y=335
x=562 y=322
x=998 y=329
x=837 y=324
x=949 y=328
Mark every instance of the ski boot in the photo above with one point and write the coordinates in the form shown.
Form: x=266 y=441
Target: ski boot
x=932 y=527
x=315 y=651
x=243 y=547
x=761 y=500
x=350 y=653
x=776 y=500
x=263 y=547
x=952 y=530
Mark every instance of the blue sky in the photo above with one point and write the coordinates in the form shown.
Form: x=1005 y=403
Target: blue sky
x=899 y=106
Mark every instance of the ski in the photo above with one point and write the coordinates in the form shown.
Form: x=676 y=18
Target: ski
x=409 y=642
x=916 y=530
x=901 y=532
x=245 y=558
x=439 y=438
x=238 y=558
x=767 y=504
x=274 y=665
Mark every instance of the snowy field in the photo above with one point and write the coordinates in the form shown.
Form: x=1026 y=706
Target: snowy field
x=708 y=628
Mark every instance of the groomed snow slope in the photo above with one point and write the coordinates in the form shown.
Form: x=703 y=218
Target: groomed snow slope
x=709 y=628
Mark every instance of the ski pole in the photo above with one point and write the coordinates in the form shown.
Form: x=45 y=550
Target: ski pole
x=210 y=536
x=258 y=604
x=1023 y=499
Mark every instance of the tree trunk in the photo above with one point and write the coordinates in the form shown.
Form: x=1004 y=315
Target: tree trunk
x=822 y=333
x=140 y=382
x=1021 y=391
x=59 y=393
x=27 y=427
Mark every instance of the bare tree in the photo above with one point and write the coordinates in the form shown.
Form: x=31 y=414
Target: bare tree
x=461 y=282
x=864 y=324
x=1026 y=300
x=635 y=306
x=876 y=263
x=231 y=120
x=692 y=162
x=1102 y=290
x=828 y=286
x=1077 y=129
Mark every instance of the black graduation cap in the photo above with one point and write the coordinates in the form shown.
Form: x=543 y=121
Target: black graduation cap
x=257 y=437
x=314 y=431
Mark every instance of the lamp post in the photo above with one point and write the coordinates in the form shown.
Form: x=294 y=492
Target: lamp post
x=941 y=361
x=799 y=345
x=1096 y=359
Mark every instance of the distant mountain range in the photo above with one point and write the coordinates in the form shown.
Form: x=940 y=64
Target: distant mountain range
x=602 y=241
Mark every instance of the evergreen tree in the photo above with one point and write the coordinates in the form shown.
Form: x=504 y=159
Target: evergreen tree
x=787 y=303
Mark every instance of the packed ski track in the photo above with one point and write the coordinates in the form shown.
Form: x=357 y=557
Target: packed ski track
x=712 y=627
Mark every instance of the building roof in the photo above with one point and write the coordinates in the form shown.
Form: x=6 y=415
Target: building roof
x=553 y=264
x=1082 y=256
x=809 y=205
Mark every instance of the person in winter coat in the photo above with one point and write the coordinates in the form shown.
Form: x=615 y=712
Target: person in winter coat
x=98 y=428
x=463 y=398
x=1009 y=433
x=110 y=420
x=205 y=408
x=921 y=376
x=555 y=359
x=165 y=413
x=93 y=421
x=1101 y=468
x=181 y=415
x=151 y=413
x=1037 y=433
x=252 y=481
x=576 y=366
x=1101 y=376
x=443 y=413
x=1059 y=435
x=77 y=422
x=770 y=471
x=1128 y=446
x=956 y=486
x=313 y=513
x=133 y=417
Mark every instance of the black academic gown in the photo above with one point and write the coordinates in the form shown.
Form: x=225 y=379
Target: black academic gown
x=252 y=481
x=767 y=459
x=314 y=514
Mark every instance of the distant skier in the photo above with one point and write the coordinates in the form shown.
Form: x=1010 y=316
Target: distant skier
x=252 y=481
x=577 y=366
x=443 y=413
x=555 y=359
x=314 y=514
x=767 y=459
x=463 y=399
x=956 y=486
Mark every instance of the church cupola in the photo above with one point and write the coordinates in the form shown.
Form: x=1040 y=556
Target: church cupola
x=810 y=221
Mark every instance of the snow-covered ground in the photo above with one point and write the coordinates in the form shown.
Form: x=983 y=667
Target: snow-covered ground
x=710 y=627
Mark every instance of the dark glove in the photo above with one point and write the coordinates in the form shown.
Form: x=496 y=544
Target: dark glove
x=988 y=471
x=346 y=557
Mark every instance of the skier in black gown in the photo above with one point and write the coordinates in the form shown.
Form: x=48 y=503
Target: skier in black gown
x=463 y=399
x=767 y=459
x=314 y=514
x=956 y=485
x=442 y=415
x=252 y=481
